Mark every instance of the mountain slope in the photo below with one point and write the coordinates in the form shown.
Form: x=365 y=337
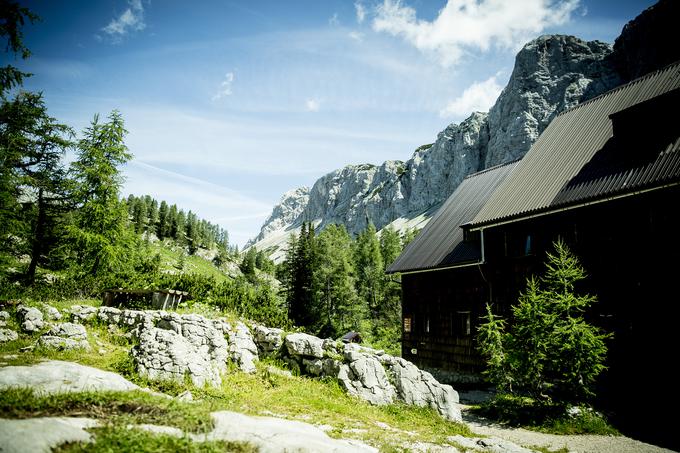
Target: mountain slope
x=551 y=73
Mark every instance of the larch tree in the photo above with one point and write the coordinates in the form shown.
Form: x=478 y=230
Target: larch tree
x=100 y=233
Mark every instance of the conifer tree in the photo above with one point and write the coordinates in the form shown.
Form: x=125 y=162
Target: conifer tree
x=163 y=221
x=369 y=268
x=100 y=234
x=334 y=283
x=548 y=350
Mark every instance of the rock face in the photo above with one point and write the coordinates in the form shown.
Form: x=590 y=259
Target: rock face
x=65 y=336
x=180 y=346
x=646 y=43
x=372 y=375
x=55 y=376
x=551 y=73
x=4 y=317
x=8 y=335
x=42 y=435
x=30 y=318
x=242 y=348
x=286 y=212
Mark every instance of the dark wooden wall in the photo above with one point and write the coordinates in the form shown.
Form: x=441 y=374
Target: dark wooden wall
x=631 y=250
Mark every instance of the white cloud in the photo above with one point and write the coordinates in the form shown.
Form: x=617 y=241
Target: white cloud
x=132 y=19
x=225 y=87
x=334 y=21
x=313 y=105
x=357 y=36
x=361 y=12
x=465 y=25
x=478 y=97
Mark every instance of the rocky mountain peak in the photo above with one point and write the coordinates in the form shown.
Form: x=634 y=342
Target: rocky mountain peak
x=551 y=73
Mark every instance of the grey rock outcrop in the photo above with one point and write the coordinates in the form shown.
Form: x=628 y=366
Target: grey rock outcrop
x=180 y=346
x=8 y=335
x=52 y=313
x=65 y=336
x=82 y=313
x=648 y=43
x=268 y=340
x=43 y=434
x=304 y=345
x=55 y=376
x=242 y=348
x=4 y=317
x=419 y=388
x=30 y=318
x=372 y=375
x=286 y=212
x=366 y=378
x=551 y=74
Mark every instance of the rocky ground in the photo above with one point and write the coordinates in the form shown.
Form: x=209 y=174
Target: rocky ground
x=200 y=352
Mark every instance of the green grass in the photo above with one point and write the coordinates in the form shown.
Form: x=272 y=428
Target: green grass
x=316 y=401
x=543 y=416
x=171 y=260
x=120 y=438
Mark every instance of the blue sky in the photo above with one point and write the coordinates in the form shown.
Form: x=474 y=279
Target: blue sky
x=229 y=104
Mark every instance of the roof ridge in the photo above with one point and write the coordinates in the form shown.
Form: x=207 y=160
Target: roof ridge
x=486 y=170
x=668 y=67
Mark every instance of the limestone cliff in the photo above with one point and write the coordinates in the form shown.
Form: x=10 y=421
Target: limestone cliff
x=551 y=73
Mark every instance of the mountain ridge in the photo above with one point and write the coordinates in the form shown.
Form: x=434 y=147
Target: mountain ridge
x=551 y=74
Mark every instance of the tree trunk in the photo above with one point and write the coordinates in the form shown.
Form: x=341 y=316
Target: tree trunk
x=38 y=238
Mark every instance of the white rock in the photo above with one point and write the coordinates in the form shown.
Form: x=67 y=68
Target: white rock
x=275 y=435
x=52 y=313
x=55 y=376
x=302 y=344
x=4 y=317
x=30 y=318
x=242 y=348
x=268 y=340
x=65 y=336
x=41 y=435
x=8 y=335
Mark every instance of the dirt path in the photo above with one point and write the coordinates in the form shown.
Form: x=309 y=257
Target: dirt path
x=574 y=443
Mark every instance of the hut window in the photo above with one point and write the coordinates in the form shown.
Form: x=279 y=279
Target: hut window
x=528 y=246
x=464 y=327
x=407 y=324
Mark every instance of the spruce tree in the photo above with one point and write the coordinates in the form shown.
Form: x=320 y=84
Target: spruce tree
x=548 y=348
x=100 y=235
x=369 y=269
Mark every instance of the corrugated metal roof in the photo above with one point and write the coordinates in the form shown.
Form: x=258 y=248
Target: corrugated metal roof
x=441 y=244
x=576 y=160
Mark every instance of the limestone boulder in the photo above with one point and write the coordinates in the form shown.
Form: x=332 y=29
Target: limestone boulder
x=52 y=313
x=83 y=313
x=304 y=345
x=30 y=319
x=4 y=317
x=268 y=340
x=166 y=355
x=8 y=335
x=365 y=378
x=417 y=387
x=65 y=336
x=56 y=376
x=242 y=348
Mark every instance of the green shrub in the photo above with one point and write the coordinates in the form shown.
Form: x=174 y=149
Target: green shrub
x=547 y=350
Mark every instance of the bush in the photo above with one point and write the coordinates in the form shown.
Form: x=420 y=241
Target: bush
x=549 y=351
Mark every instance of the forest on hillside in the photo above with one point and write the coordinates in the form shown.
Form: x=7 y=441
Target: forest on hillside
x=67 y=232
